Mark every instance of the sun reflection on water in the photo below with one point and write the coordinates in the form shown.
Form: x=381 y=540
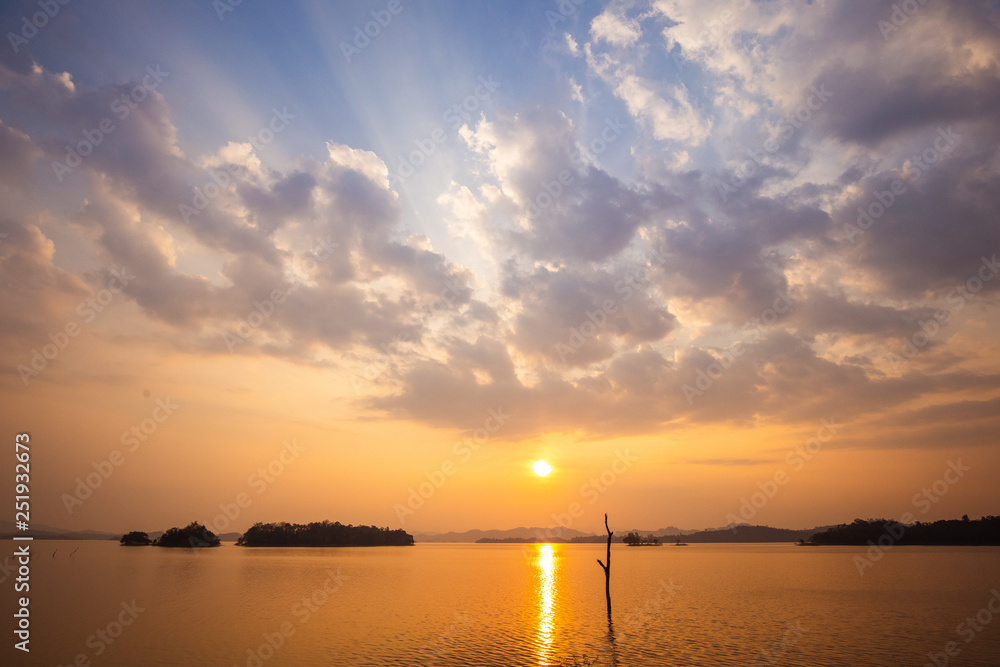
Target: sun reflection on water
x=546 y=564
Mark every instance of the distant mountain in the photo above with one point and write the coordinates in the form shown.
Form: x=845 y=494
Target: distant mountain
x=673 y=531
x=42 y=532
x=736 y=533
x=747 y=533
x=518 y=533
x=9 y=527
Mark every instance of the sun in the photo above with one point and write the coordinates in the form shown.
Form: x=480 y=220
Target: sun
x=541 y=468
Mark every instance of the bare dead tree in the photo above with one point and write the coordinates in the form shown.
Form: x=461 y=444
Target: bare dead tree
x=607 y=568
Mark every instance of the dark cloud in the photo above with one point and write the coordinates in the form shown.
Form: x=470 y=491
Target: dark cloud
x=288 y=197
x=919 y=83
x=17 y=157
x=778 y=379
x=576 y=317
x=933 y=235
x=818 y=312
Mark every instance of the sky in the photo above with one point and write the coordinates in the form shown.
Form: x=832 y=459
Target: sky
x=714 y=262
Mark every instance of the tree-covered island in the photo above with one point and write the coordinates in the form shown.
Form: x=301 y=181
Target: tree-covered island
x=136 y=538
x=322 y=534
x=192 y=536
x=978 y=532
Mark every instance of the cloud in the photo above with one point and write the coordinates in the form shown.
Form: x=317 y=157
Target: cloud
x=38 y=298
x=559 y=205
x=17 y=158
x=576 y=318
x=614 y=28
x=323 y=235
x=665 y=108
x=935 y=233
x=609 y=271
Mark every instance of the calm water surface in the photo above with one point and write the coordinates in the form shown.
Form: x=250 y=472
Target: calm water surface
x=468 y=604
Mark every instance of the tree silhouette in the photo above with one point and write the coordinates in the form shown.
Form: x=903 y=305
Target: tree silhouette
x=321 y=534
x=607 y=568
x=136 y=538
x=194 y=536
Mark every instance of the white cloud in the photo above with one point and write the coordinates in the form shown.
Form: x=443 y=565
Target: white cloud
x=669 y=116
x=614 y=28
x=365 y=162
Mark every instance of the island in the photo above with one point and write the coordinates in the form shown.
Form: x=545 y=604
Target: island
x=321 y=534
x=952 y=532
x=637 y=540
x=136 y=538
x=192 y=536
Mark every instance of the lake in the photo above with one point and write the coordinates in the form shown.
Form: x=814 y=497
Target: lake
x=472 y=604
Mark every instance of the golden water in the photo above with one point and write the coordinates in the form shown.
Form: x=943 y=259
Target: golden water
x=470 y=604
